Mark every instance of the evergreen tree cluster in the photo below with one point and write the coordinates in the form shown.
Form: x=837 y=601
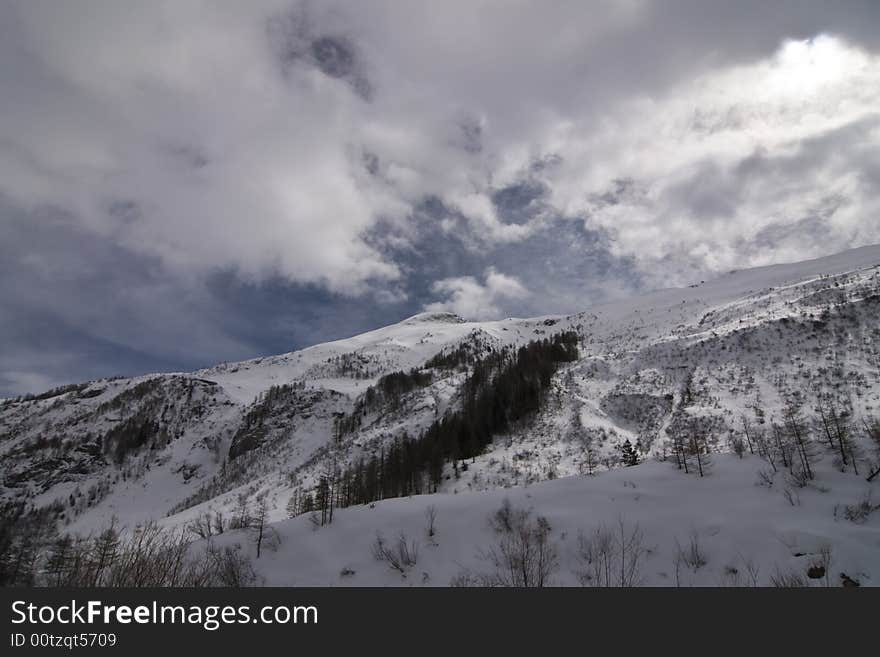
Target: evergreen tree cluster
x=504 y=387
x=387 y=391
x=629 y=454
x=399 y=383
x=132 y=434
x=462 y=356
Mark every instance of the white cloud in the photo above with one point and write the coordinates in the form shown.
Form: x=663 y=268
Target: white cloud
x=469 y=298
x=236 y=150
x=717 y=160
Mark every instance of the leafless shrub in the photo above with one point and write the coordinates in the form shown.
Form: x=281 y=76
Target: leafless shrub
x=731 y=577
x=791 y=496
x=691 y=555
x=611 y=557
x=799 y=478
x=750 y=569
x=820 y=566
x=408 y=552
x=151 y=557
x=597 y=554
x=765 y=478
x=431 y=518
x=524 y=555
x=859 y=512
x=402 y=556
x=740 y=574
x=506 y=518
x=789 y=580
x=315 y=521
x=738 y=445
x=146 y=556
x=465 y=579
x=206 y=525
x=201 y=526
x=228 y=567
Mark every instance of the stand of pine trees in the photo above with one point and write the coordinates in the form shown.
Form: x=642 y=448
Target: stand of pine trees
x=503 y=388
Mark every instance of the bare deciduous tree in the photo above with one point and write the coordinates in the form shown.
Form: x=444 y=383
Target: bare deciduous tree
x=264 y=534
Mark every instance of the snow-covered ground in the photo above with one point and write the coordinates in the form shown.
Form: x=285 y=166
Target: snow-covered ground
x=743 y=530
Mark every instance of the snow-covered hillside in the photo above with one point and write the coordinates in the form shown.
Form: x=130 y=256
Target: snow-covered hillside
x=184 y=446
x=721 y=530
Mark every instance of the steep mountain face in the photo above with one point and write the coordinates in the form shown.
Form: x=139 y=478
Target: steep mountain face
x=173 y=446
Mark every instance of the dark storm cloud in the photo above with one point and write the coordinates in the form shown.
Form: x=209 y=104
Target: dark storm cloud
x=520 y=201
x=188 y=182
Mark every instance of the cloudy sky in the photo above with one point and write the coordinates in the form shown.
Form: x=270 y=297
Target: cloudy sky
x=186 y=182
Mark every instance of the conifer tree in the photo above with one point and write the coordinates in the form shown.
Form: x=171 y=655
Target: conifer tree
x=628 y=454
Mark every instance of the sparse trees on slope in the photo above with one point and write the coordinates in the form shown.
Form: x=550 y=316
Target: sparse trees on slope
x=748 y=432
x=835 y=420
x=680 y=451
x=764 y=446
x=782 y=446
x=699 y=450
x=796 y=429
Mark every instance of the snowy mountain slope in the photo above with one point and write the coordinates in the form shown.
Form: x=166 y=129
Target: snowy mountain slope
x=175 y=446
x=746 y=534
x=717 y=351
x=181 y=427
x=350 y=365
